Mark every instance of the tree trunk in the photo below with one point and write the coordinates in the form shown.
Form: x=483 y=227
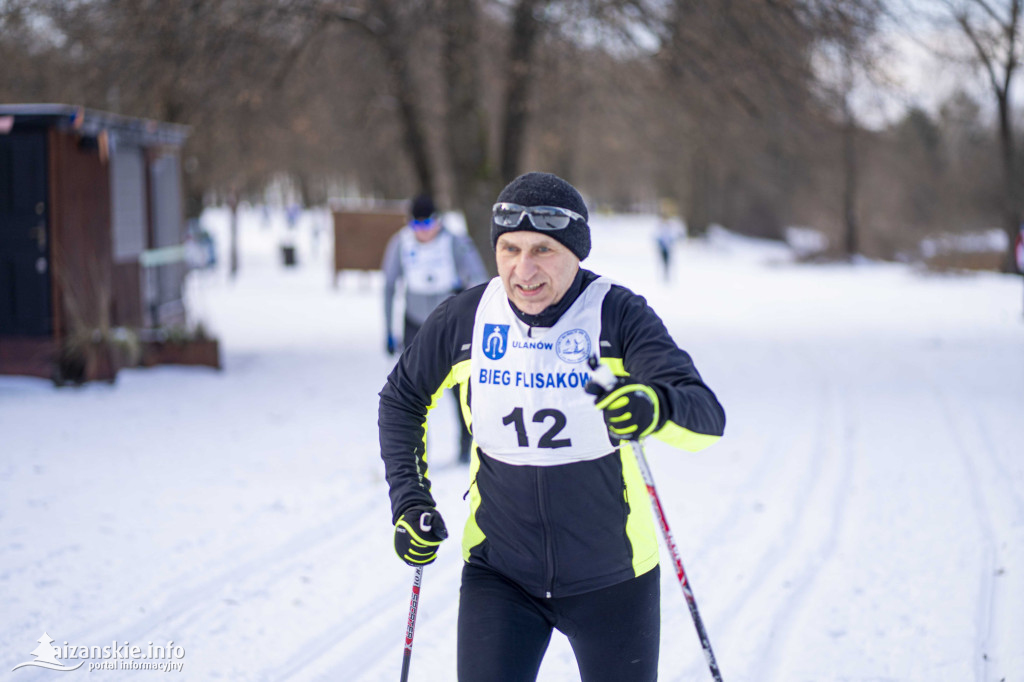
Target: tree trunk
x=851 y=230
x=233 y=205
x=473 y=176
x=525 y=30
x=1011 y=212
x=478 y=222
x=395 y=44
x=698 y=204
x=851 y=242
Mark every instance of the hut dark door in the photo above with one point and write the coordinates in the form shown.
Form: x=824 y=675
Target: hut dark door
x=25 y=308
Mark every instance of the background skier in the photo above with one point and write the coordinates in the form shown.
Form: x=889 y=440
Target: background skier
x=433 y=264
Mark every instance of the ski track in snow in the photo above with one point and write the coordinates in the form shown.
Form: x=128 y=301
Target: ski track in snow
x=186 y=604
x=991 y=488
x=822 y=465
x=986 y=585
x=862 y=521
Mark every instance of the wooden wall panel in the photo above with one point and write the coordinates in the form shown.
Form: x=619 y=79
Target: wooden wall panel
x=127 y=306
x=82 y=256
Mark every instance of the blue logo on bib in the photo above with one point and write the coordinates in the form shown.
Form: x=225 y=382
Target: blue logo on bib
x=573 y=346
x=495 y=341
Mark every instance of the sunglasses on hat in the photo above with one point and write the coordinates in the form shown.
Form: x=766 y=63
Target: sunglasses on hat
x=541 y=217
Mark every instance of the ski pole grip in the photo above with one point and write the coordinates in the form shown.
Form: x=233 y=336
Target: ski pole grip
x=602 y=375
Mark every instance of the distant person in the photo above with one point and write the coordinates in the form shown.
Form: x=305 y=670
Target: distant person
x=666 y=236
x=1019 y=250
x=292 y=214
x=200 y=252
x=434 y=264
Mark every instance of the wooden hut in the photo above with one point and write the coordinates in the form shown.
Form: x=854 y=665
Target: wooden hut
x=91 y=236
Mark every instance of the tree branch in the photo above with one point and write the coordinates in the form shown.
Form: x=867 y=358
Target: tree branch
x=979 y=47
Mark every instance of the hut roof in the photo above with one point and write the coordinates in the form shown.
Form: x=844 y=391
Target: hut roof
x=92 y=122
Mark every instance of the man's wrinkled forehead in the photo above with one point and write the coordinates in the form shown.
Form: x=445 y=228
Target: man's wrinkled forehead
x=524 y=239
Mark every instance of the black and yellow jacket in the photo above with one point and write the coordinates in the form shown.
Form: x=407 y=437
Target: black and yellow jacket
x=554 y=530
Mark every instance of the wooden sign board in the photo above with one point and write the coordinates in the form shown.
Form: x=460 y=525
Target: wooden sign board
x=360 y=237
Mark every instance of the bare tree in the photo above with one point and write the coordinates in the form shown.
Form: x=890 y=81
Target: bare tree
x=720 y=105
x=475 y=155
x=392 y=26
x=731 y=67
x=479 y=166
x=993 y=29
x=467 y=126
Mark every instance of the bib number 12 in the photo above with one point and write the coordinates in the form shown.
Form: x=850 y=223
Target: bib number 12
x=548 y=440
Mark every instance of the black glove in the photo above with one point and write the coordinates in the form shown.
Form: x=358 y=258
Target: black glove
x=630 y=410
x=418 y=532
x=390 y=345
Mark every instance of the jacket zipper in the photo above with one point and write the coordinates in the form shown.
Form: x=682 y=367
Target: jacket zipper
x=549 y=549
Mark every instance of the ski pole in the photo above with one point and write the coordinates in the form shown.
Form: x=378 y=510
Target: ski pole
x=604 y=377
x=705 y=643
x=410 y=627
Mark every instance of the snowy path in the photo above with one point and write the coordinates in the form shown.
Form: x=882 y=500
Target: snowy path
x=862 y=520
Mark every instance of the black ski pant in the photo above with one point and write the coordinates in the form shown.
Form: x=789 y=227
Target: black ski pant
x=465 y=439
x=504 y=632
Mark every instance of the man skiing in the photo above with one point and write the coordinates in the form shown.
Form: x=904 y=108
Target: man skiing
x=560 y=534
x=433 y=264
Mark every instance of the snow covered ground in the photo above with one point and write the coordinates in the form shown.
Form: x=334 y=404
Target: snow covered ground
x=863 y=518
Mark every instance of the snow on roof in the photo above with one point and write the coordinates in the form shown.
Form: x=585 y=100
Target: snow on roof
x=92 y=121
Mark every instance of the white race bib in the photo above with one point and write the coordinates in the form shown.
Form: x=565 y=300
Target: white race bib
x=528 y=402
x=428 y=268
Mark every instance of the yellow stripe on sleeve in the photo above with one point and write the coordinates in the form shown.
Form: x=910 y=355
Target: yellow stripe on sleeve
x=671 y=433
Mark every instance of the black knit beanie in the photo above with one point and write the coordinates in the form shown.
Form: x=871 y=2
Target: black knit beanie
x=545 y=189
x=422 y=207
